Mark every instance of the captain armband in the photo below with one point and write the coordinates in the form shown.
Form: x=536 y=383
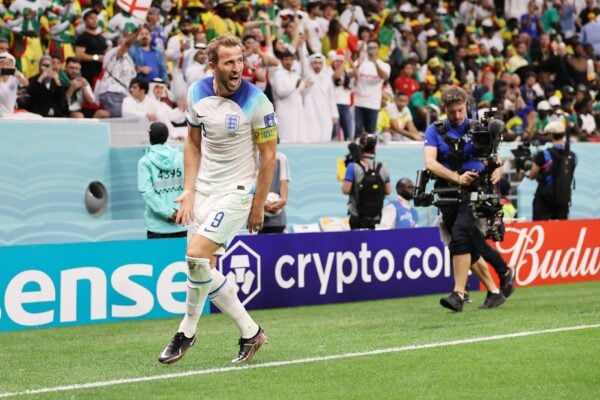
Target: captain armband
x=267 y=134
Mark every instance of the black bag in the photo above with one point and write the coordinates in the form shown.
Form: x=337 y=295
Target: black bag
x=370 y=193
x=564 y=167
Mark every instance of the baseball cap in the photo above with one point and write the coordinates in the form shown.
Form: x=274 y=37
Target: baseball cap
x=158 y=132
x=544 y=106
x=554 y=101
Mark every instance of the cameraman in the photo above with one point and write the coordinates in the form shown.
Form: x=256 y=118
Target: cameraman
x=365 y=209
x=450 y=155
x=545 y=169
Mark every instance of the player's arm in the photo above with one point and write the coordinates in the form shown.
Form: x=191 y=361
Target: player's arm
x=268 y=153
x=191 y=163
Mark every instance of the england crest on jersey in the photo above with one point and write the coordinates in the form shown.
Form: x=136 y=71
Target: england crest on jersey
x=232 y=122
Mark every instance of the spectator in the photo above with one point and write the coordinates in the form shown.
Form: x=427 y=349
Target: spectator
x=10 y=79
x=79 y=92
x=138 y=103
x=365 y=205
x=90 y=47
x=176 y=47
x=46 y=92
x=119 y=70
x=149 y=63
x=319 y=102
x=509 y=210
x=167 y=110
x=120 y=23
x=400 y=213
x=287 y=95
x=530 y=21
x=158 y=35
x=221 y=23
x=371 y=73
x=343 y=81
x=401 y=122
x=62 y=31
x=405 y=82
x=160 y=182
x=275 y=217
x=315 y=27
x=353 y=17
x=197 y=66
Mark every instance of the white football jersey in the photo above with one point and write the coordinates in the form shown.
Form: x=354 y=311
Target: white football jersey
x=230 y=129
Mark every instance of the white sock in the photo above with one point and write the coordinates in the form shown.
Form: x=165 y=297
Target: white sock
x=224 y=296
x=199 y=282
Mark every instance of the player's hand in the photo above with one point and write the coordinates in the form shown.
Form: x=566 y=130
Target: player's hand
x=256 y=218
x=186 y=207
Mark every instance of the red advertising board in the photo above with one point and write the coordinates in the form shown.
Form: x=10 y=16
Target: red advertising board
x=552 y=252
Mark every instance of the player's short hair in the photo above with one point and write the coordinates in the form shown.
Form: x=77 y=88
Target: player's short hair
x=226 y=41
x=454 y=95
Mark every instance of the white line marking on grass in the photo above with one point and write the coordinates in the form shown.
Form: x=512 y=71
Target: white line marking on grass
x=293 y=362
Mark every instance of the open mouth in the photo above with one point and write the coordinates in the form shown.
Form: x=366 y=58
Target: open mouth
x=234 y=79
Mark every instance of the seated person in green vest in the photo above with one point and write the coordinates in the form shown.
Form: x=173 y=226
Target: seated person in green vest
x=400 y=213
x=160 y=182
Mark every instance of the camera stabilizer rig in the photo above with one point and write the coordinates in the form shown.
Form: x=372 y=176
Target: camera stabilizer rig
x=482 y=195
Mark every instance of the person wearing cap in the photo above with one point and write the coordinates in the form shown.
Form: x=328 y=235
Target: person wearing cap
x=319 y=101
x=177 y=46
x=370 y=73
x=545 y=169
x=10 y=79
x=90 y=47
x=160 y=181
x=230 y=155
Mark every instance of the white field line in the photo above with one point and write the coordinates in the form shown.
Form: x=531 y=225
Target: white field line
x=209 y=371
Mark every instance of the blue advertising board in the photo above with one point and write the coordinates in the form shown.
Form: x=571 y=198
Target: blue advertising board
x=83 y=283
x=322 y=268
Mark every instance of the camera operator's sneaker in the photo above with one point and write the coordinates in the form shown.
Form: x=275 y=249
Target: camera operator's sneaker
x=176 y=348
x=493 y=300
x=453 y=302
x=507 y=282
x=250 y=346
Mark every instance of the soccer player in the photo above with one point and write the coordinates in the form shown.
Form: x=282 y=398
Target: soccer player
x=230 y=123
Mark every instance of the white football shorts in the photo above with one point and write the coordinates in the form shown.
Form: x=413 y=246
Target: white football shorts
x=219 y=217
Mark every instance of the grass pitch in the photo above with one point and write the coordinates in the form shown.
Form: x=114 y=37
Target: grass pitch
x=543 y=343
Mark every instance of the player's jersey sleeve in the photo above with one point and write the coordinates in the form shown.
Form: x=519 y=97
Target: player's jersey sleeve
x=264 y=121
x=191 y=116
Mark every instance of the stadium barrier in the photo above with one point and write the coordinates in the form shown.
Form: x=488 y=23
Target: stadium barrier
x=85 y=283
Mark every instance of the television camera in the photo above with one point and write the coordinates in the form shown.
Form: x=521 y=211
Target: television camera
x=483 y=197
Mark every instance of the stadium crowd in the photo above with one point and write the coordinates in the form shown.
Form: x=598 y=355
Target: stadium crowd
x=333 y=69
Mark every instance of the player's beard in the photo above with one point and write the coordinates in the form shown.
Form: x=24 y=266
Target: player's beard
x=226 y=84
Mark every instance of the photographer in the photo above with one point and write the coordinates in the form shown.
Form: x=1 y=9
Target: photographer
x=46 y=92
x=545 y=169
x=450 y=156
x=367 y=183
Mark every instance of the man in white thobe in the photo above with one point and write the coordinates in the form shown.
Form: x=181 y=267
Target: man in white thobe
x=287 y=87
x=319 y=101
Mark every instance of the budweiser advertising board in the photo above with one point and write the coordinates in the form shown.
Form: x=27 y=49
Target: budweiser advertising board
x=552 y=252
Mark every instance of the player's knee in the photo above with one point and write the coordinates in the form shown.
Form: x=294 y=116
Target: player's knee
x=199 y=273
